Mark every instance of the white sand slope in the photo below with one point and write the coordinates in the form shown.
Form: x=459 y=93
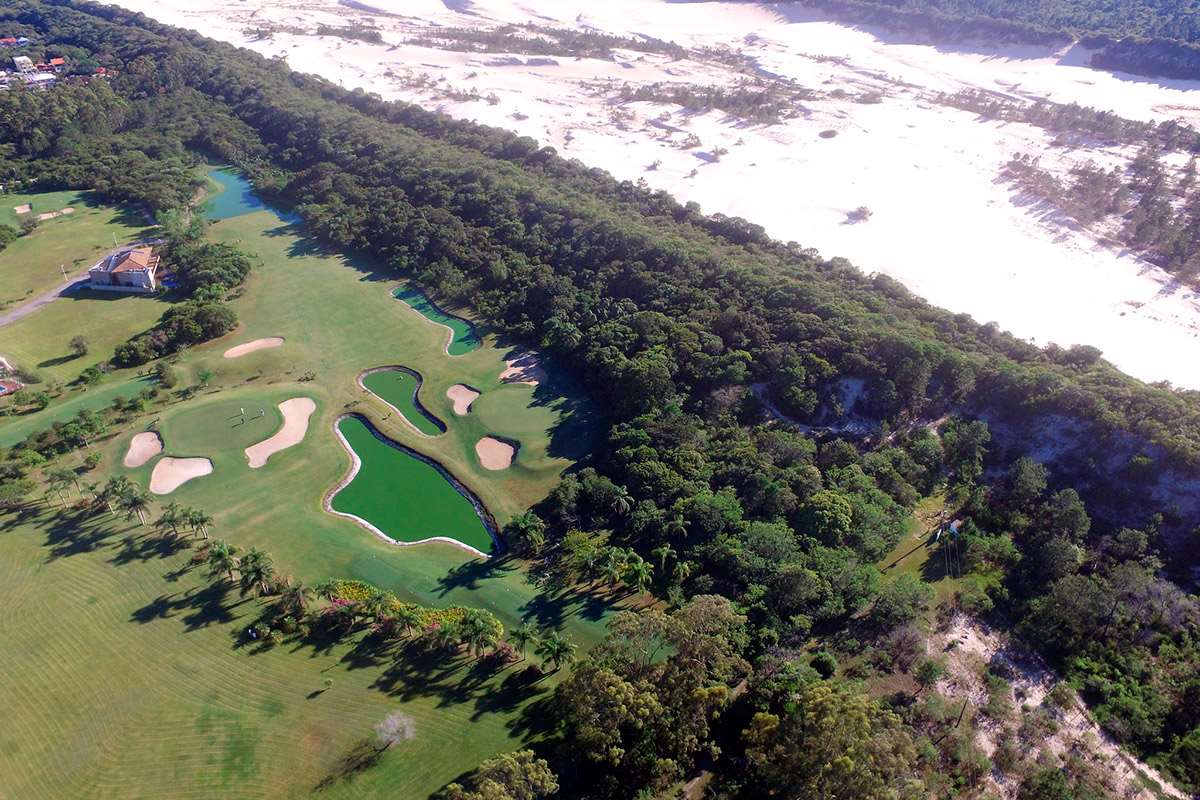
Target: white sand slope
x=142 y=447
x=523 y=368
x=249 y=347
x=942 y=224
x=495 y=454
x=295 y=425
x=171 y=473
x=461 y=396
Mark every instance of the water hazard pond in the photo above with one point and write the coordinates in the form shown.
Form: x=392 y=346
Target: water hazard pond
x=404 y=496
x=463 y=337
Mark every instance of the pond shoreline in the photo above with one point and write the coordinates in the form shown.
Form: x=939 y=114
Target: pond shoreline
x=421 y=409
x=485 y=516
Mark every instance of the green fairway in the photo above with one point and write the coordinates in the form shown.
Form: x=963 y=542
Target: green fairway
x=462 y=336
x=34 y=263
x=183 y=711
x=406 y=498
x=15 y=429
x=399 y=388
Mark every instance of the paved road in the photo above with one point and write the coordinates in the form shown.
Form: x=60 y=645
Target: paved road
x=11 y=315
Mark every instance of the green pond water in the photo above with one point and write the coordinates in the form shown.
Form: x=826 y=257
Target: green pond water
x=465 y=339
x=403 y=496
x=399 y=387
x=235 y=198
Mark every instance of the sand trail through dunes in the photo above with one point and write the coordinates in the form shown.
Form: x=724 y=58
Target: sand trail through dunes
x=142 y=447
x=462 y=396
x=171 y=473
x=249 y=347
x=495 y=454
x=295 y=425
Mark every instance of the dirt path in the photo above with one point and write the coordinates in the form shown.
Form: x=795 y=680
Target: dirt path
x=969 y=645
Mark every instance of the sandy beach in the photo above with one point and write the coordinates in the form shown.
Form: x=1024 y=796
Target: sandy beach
x=871 y=136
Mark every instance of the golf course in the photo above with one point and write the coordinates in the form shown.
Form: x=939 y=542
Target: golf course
x=295 y=444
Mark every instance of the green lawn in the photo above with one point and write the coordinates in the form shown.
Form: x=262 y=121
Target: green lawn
x=33 y=264
x=121 y=675
x=74 y=400
x=916 y=555
x=399 y=388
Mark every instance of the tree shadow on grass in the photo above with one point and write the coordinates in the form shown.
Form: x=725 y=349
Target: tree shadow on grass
x=469 y=574
x=72 y=533
x=200 y=607
x=550 y=609
x=518 y=687
x=16 y=517
x=363 y=755
x=145 y=547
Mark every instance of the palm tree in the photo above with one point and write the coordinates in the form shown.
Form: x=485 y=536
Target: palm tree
x=294 y=598
x=555 y=649
x=63 y=479
x=199 y=521
x=612 y=565
x=171 y=517
x=683 y=570
x=258 y=571
x=522 y=636
x=639 y=574
x=480 y=630
x=448 y=636
x=114 y=490
x=408 y=617
x=377 y=606
x=662 y=553
x=677 y=526
x=222 y=559
x=621 y=502
x=136 y=502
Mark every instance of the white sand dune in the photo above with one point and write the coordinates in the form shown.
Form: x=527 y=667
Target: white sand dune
x=494 y=453
x=296 y=413
x=941 y=224
x=250 y=347
x=523 y=368
x=142 y=447
x=171 y=473
x=461 y=396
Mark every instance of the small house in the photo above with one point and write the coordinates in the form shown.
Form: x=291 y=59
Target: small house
x=40 y=79
x=131 y=269
x=23 y=63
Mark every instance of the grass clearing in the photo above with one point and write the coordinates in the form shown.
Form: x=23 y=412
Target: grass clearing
x=33 y=263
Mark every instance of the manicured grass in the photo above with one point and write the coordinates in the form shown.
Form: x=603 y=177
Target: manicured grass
x=41 y=341
x=34 y=263
x=75 y=399
x=399 y=388
x=918 y=556
x=464 y=339
x=122 y=674
x=404 y=497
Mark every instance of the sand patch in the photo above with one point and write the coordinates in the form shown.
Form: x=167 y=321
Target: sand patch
x=462 y=396
x=295 y=425
x=494 y=453
x=53 y=214
x=249 y=347
x=523 y=368
x=23 y=209
x=171 y=473
x=142 y=447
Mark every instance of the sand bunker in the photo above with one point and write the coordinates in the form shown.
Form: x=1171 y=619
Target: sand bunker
x=462 y=396
x=494 y=453
x=523 y=368
x=249 y=347
x=295 y=424
x=53 y=214
x=23 y=209
x=142 y=448
x=171 y=473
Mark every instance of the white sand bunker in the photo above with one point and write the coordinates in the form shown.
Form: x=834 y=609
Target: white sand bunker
x=53 y=214
x=22 y=209
x=523 y=368
x=249 y=347
x=494 y=453
x=171 y=473
x=462 y=396
x=142 y=448
x=295 y=425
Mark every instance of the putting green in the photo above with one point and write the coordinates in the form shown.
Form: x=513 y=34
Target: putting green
x=225 y=424
x=398 y=387
x=405 y=497
x=463 y=338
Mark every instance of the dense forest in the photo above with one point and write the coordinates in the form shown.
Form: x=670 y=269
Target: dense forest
x=1146 y=37
x=760 y=529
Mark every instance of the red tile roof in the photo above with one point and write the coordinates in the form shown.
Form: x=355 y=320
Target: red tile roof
x=139 y=258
